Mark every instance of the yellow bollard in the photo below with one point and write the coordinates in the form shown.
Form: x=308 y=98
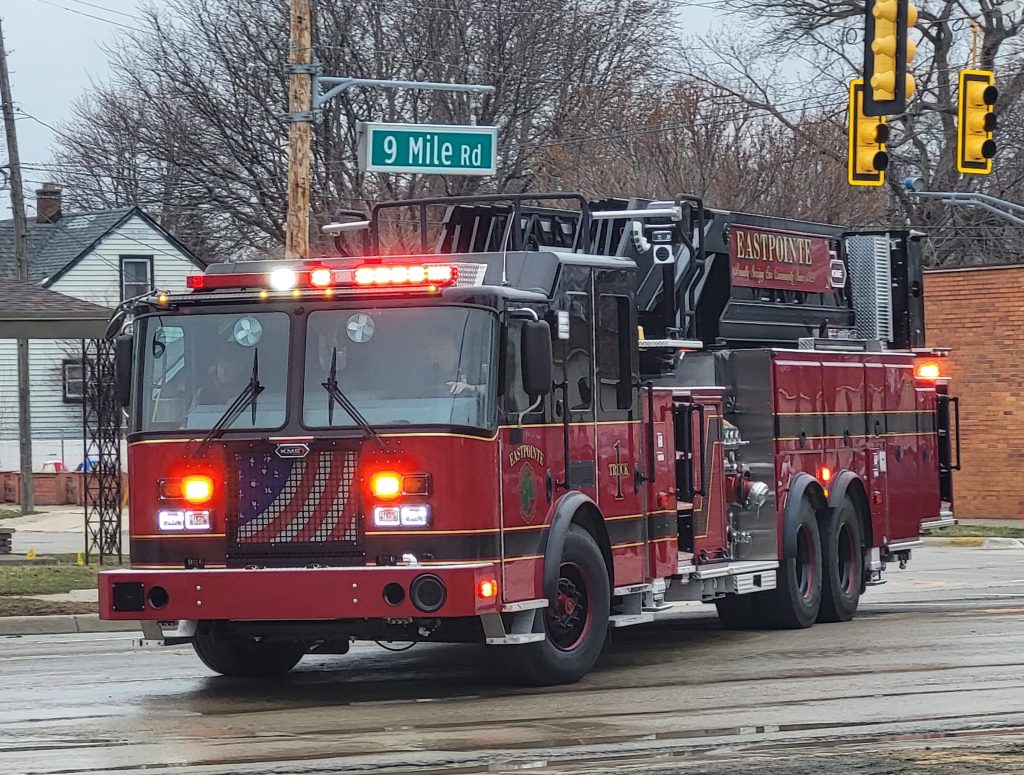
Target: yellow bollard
x=79 y=559
x=31 y=553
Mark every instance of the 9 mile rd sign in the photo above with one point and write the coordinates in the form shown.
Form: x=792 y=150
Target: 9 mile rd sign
x=428 y=148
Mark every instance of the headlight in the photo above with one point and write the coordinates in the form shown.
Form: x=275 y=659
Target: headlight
x=386 y=516
x=171 y=520
x=415 y=516
x=197 y=520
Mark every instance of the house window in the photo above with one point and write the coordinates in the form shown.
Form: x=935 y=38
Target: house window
x=136 y=276
x=74 y=382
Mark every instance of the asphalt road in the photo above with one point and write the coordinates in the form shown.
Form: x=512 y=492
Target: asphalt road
x=928 y=679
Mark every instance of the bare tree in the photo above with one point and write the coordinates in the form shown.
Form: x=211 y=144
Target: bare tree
x=823 y=39
x=191 y=124
x=691 y=137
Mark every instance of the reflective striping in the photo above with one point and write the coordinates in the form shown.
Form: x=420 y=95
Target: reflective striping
x=839 y=425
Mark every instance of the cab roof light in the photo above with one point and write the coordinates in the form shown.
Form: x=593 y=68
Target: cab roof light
x=378 y=275
x=284 y=279
x=209 y=282
x=321 y=278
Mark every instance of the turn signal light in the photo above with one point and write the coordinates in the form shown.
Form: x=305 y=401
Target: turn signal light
x=928 y=370
x=487 y=589
x=197 y=488
x=386 y=485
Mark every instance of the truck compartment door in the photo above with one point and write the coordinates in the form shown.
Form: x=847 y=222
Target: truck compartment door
x=700 y=480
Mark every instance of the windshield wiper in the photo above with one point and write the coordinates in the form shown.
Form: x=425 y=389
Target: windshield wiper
x=247 y=398
x=335 y=395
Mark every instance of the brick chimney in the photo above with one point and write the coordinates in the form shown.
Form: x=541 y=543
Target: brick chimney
x=48 y=203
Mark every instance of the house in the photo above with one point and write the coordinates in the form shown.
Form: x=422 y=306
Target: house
x=101 y=257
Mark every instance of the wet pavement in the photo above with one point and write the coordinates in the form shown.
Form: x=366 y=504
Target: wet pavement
x=928 y=679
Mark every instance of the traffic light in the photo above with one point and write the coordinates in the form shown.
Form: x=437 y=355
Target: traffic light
x=976 y=125
x=868 y=135
x=887 y=52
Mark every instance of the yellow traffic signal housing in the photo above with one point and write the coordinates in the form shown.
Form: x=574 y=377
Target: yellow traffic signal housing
x=868 y=135
x=887 y=52
x=976 y=124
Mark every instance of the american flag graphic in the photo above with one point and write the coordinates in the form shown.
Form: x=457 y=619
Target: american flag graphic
x=296 y=501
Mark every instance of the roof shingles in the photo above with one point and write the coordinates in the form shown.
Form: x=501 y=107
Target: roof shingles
x=52 y=246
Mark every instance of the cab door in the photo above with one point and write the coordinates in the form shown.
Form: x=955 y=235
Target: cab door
x=619 y=432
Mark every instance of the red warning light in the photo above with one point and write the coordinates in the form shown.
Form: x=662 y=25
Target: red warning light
x=406 y=276
x=321 y=278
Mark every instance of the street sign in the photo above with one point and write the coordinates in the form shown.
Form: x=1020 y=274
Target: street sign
x=431 y=149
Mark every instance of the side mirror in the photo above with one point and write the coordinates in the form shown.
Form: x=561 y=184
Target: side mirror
x=537 y=358
x=123 y=368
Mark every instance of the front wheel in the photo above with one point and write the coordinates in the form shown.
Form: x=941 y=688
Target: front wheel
x=575 y=622
x=243 y=657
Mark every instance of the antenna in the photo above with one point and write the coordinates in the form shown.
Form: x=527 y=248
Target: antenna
x=504 y=248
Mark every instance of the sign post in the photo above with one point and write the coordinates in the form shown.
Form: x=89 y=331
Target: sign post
x=435 y=149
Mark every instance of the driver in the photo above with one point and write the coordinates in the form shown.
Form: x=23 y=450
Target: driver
x=448 y=363
x=227 y=377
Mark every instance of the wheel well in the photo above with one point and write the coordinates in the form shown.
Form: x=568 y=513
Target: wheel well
x=589 y=518
x=860 y=502
x=816 y=495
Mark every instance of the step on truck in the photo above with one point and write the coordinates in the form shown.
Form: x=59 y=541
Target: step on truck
x=545 y=418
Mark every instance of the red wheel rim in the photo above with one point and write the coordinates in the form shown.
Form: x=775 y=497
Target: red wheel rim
x=569 y=615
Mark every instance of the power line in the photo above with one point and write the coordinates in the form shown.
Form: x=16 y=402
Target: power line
x=90 y=15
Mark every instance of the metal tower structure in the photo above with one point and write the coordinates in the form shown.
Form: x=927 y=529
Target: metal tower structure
x=101 y=432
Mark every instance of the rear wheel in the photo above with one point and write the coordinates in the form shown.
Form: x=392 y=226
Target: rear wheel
x=842 y=554
x=243 y=657
x=795 y=601
x=575 y=622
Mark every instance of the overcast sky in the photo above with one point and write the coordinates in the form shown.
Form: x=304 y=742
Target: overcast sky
x=55 y=50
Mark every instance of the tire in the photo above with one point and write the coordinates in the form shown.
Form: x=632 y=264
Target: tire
x=796 y=600
x=740 y=612
x=842 y=554
x=243 y=657
x=575 y=623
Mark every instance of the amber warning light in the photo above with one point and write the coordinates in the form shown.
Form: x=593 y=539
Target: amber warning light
x=928 y=370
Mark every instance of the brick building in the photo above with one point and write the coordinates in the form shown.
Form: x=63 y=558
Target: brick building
x=979 y=313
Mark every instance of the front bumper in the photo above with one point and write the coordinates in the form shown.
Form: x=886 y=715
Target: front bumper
x=289 y=594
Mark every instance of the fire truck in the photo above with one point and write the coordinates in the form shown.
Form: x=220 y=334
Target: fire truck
x=542 y=419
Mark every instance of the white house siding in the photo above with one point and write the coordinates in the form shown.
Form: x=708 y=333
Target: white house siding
x=96 y=277
x=57 y=426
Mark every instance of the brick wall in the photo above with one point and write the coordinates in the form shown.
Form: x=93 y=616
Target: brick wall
x=979 y=313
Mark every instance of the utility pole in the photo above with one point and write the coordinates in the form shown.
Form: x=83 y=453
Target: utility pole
x=28 y=500
x=300 y=130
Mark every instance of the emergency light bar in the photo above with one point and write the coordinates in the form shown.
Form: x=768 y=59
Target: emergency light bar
x=284 y=278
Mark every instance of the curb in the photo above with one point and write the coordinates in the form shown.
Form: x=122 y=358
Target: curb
x=976 y=542
x=63 y=624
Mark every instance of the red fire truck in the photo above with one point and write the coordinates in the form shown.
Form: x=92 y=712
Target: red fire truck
x=552 y=417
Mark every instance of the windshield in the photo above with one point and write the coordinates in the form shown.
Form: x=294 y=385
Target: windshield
x=195 y=366
x=402 y=366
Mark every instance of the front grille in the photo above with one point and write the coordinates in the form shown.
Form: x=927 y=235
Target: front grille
x=305 y=510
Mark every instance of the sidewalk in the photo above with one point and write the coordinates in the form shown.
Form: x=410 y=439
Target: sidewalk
x=54 y=530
